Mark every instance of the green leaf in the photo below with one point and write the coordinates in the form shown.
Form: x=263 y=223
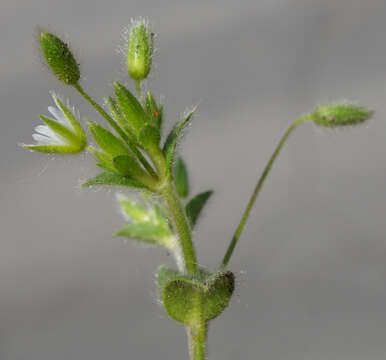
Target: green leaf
x=128 y=166
x=161 y=216
x=148 y=233
x=134 y=210
x=121 y=123
x=106 y=178
x=108 y=142
x=149 y=135
x=195 y=205
x=153 y=112
x=105 y=160
x=132 y=110
x=171 y=141
x=189 y=300
x=181 y=178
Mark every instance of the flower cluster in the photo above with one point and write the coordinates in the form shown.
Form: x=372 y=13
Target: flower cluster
x=133 y=152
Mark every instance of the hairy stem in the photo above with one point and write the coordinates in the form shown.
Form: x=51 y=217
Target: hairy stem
x=116 y=127
x=197 y=338
x=257 y=189
x=139 y=90
x=182 y=227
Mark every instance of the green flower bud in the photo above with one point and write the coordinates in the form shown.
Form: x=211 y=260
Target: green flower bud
x=335 y=115
x=59 y=58
x=140 y=50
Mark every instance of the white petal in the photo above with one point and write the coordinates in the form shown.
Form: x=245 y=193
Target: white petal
x=41 y=139
x=58 y=114
x=44 y=130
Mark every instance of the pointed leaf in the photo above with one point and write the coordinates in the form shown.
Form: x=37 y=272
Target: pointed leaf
x=134 y=115
x=153 y=112
x=107 y=141
x=128 y=166
x=148 y=233
x=134 y=210
x=195 y=205
x=171 y=141
x=181 y=178
x=105 y=160
x=106 y=178
x=149 y=135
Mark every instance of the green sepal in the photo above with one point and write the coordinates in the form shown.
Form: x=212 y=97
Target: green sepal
x=62 y=131
x=107 y=178
x=149 y=136
x=59 y=58
x=181 y=178
x=54 y=149
x=133 y=114
x=192 y=300
x=145 y=232
x=153 y=112
x=171 y=141
x=107 y=141
x=194 y=206
x=72 y=119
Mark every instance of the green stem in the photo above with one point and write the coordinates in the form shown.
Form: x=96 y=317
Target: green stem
x=182 y=227
x=139 y=90
x=197 y=338
x=117 y=128
x=257 y=189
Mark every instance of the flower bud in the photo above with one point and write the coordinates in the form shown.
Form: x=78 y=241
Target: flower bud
x=140 y=50
x=59 y=58
x=336 y=115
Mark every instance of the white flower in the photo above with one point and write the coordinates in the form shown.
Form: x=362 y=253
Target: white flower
x=62 y=134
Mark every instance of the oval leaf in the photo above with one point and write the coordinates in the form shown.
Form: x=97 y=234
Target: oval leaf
x=195 y=205
x=181 y=178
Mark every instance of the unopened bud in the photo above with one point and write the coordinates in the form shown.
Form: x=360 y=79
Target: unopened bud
x=140 y=50
x=336 y=115
x=59 y=58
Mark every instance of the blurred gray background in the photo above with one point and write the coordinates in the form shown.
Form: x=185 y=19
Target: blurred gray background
x=311 y=264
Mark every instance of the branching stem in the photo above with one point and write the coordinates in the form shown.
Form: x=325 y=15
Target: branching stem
x=257 y=189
